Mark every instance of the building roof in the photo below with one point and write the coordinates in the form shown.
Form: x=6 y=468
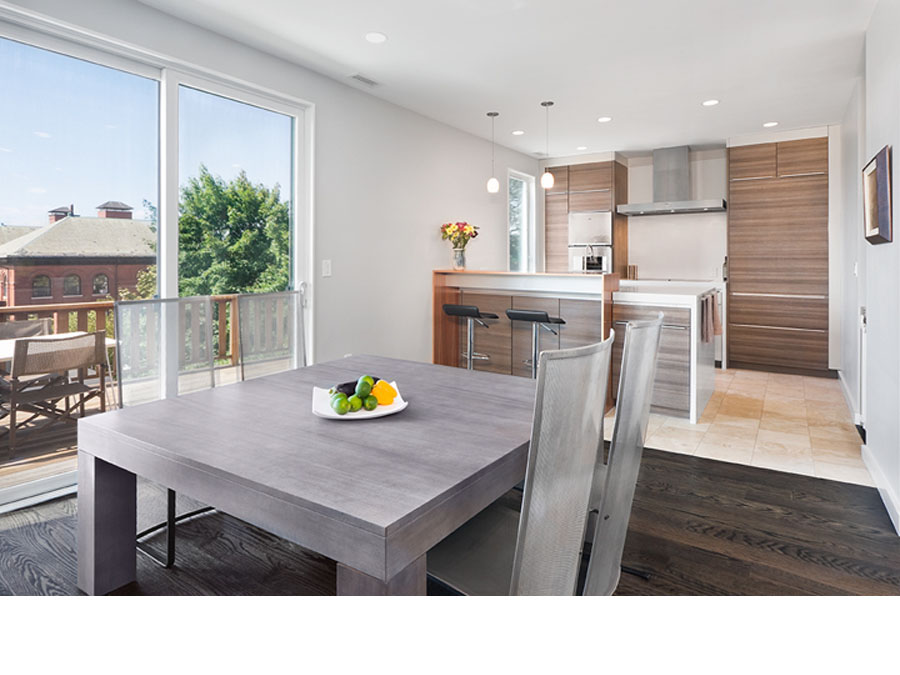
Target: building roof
x=81 y=237
x=10 y=232
x=60 y=209
x=115 y=206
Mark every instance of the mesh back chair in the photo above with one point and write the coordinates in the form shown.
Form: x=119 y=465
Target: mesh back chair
x=40 y=382
x=10 y=330
x=614 y=491
x=271 y=333
x=538 y=553
x=145 y=331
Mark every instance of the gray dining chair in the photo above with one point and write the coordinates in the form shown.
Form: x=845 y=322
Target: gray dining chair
x=616 y=478
x=271 y=333
x=145 y=330
x=499 y=552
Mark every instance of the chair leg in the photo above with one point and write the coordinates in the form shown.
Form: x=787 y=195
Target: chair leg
x=12 y=427
x=169 y=561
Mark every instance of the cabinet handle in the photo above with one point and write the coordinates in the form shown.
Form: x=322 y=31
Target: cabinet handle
x=797 y=175
x=778 y=295
x=735 y=180
x=665 y=325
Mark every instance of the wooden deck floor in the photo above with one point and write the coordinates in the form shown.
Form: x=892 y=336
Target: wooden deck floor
x=42 y=452
x=698 y=527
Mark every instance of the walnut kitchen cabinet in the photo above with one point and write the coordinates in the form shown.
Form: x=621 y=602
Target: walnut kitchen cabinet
x=778 y=256
x=521 y=332
x=493 y=342
x=672 y=386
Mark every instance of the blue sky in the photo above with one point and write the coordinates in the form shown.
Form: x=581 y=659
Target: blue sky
x=73 y=132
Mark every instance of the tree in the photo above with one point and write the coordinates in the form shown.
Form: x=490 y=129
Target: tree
x=234 y=237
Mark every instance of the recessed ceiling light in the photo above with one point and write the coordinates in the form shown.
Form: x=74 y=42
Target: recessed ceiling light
x=518 y=132
x=770 y=124
x=711 y=102
x=604 y=119
x=376 y=38
x=581 y=147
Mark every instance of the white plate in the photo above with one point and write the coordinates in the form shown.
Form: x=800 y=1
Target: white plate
x=321 y=407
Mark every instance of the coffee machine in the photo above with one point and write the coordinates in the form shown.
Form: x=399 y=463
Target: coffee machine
x=590 y=242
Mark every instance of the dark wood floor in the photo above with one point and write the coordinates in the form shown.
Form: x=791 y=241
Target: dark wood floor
x=699 y=527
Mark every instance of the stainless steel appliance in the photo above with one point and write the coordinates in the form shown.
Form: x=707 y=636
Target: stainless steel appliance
x=590 y=242
x=591 y=258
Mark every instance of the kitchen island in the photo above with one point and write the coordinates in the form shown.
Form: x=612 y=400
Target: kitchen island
x=590 y=304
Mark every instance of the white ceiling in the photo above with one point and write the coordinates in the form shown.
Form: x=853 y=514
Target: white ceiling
x=646 y=63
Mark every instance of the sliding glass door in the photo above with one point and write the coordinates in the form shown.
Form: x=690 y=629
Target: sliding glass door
x=79 y=184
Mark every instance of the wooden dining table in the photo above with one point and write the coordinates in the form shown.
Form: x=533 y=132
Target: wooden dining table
x=374 y=495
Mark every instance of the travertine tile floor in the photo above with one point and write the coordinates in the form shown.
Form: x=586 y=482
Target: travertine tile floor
x=784 y=422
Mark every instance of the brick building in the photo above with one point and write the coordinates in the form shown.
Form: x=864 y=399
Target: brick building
x=75 y=258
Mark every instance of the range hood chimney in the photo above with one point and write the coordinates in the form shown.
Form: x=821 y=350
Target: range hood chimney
x=672 y=188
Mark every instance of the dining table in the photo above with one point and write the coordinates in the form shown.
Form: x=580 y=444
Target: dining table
x=374 y=495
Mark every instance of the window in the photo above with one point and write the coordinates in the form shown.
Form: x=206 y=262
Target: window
x=521 y=222
x=101 y=285
x=72 y=285
x=40 y=286
x=235 y=170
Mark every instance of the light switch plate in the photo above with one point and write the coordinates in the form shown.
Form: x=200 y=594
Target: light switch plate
x=326 y=268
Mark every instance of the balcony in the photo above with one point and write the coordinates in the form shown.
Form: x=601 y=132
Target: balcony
x=43 y=452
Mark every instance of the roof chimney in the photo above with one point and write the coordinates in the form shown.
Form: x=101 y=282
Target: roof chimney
x=114 y=210
x=61 y=212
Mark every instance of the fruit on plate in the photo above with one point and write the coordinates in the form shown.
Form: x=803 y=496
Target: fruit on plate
x=340 y=405
x=384 y=392
x=365 y=393
x=349 y=388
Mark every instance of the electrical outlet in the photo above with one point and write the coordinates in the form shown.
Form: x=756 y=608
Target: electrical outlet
x=326 y=268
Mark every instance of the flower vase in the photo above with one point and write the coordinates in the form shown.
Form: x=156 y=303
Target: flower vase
x=459 y=258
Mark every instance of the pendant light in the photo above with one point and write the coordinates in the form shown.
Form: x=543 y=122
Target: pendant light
x=547 y=177
x=493 y=185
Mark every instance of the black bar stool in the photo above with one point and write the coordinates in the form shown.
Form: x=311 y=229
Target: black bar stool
x=538 y=320
x=471 y=314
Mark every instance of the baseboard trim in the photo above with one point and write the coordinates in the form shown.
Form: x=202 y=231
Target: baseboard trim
x=35 y=492
x=888 y=496
x=851 y=404
x=785 y=370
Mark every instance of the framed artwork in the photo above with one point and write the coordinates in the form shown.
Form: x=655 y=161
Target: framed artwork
x=877 y=198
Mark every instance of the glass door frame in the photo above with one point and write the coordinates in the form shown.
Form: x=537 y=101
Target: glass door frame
x=36 y=30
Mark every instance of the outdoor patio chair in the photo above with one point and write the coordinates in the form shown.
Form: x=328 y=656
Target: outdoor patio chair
x=42 y=384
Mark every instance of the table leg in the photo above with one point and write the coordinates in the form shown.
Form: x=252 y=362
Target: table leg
x=107 y=510
x=409 y=581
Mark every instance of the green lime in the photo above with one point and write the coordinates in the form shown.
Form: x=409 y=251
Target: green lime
x=338 y=394
x=369 y=379
x=371 y=403
x=340 y=405
x=363 y=387
x=355 y=403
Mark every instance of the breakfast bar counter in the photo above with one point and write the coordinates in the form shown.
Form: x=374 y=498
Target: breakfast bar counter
x=590 y=305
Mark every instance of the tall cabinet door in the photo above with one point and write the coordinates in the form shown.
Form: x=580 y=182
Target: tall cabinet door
x=778 y=260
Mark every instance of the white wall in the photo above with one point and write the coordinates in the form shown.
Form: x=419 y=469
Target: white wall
x=882 y=275
x=681 y=246
x=852 y=270
x=386 y=178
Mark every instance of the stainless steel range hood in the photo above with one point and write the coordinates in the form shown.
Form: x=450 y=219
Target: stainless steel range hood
x=672 y=188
